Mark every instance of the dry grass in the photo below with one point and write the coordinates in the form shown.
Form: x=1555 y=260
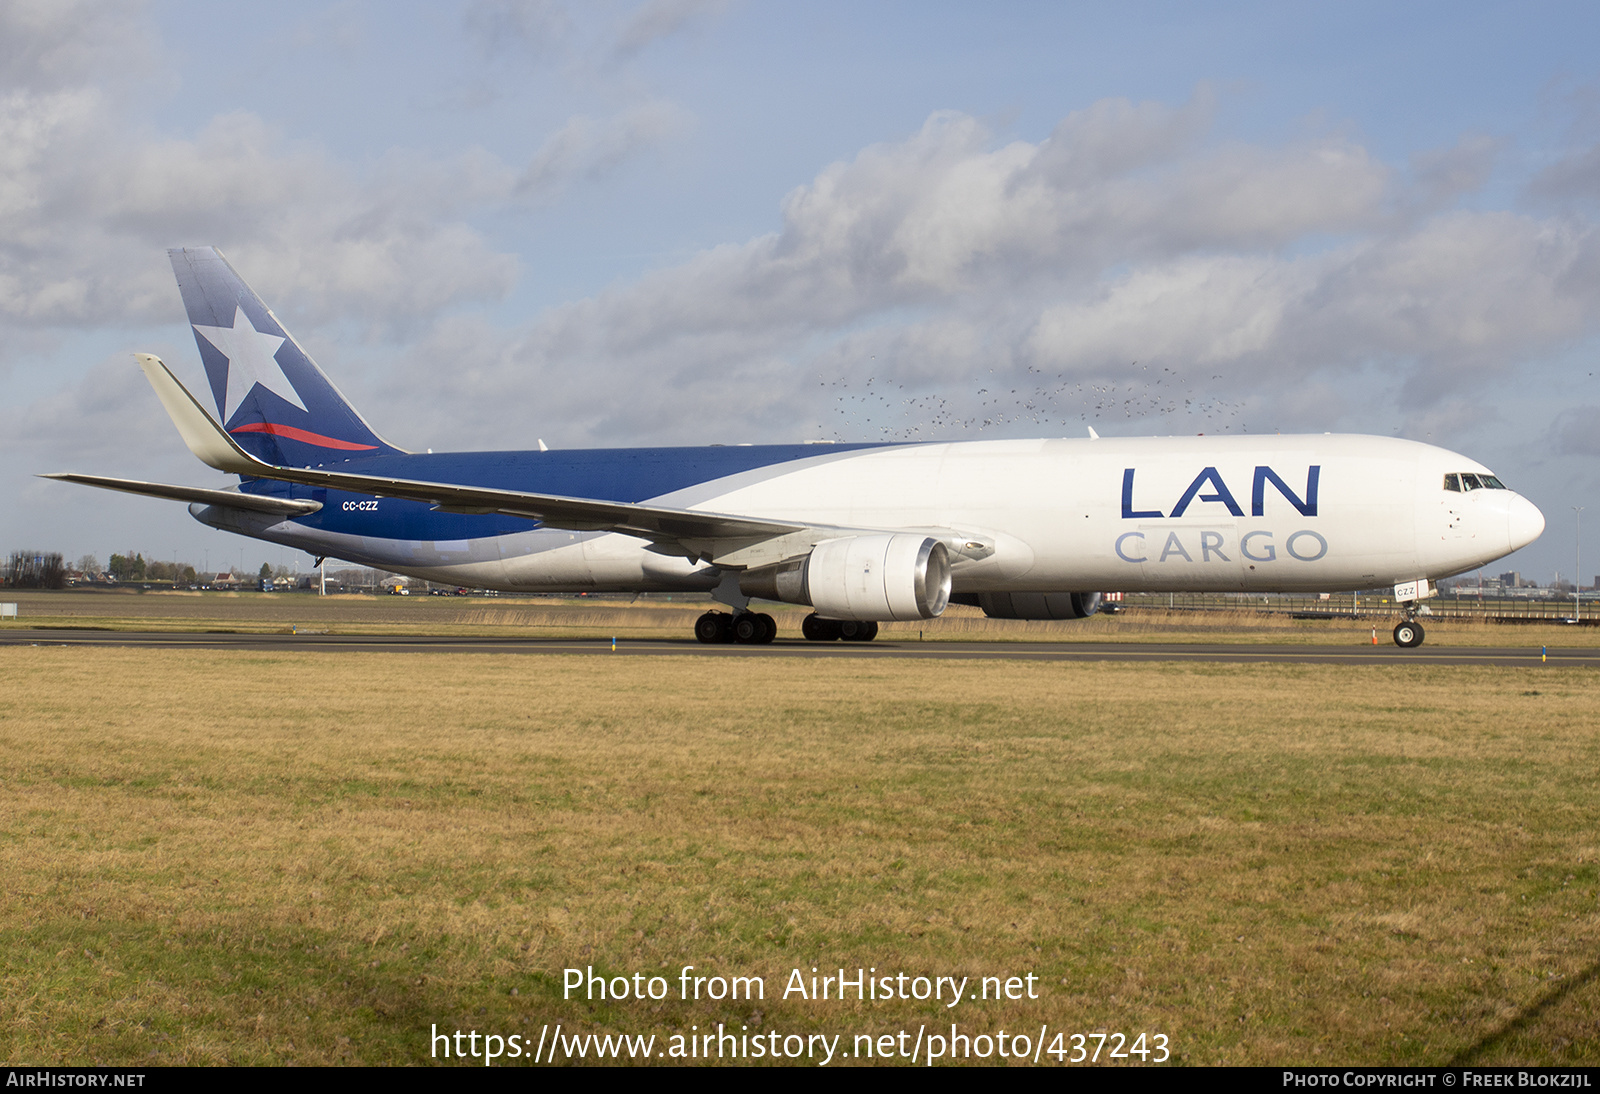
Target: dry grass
x=655 y=618
x=230 y=857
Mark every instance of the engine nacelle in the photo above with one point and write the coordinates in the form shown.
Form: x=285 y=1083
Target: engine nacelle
x=1039 y=605
x=894 y=576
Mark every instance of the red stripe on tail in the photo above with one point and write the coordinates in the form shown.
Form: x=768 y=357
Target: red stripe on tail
x=302 y=435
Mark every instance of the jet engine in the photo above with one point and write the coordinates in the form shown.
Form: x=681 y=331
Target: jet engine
x=1037 y=605
x=893 y=576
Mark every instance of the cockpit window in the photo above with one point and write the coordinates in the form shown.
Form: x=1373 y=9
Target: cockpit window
x=1471 y=480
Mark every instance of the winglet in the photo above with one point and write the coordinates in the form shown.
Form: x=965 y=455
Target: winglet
x=204 y=437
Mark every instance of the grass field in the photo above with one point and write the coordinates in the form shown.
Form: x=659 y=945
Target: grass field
x=655 y=618
x=228 y=857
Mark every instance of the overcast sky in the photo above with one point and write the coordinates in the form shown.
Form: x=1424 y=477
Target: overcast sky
x=696 y=221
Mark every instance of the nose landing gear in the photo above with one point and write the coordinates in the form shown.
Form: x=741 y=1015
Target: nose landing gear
x=1409 y=595
x=1408 y=634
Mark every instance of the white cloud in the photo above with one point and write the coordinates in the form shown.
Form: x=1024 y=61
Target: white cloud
x=1273 y=276
x=1571 y=181
x=49 y=44
x=985 y=279
x=1464 y=296
x=657 y=19
x=90 y=200
x=87 y=209
x=586 y=148
x=1445 y=174
x=107 y=414
x=1448 y=304
x=1193 y=311
x=538 y=27
x=1576 y=432
x=942 y=215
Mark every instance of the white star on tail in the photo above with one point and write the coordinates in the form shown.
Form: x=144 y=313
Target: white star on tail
x=250 y=362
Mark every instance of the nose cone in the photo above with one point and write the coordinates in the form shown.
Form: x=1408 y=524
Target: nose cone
x=1526 y=523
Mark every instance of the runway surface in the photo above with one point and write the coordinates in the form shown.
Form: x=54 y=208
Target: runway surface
x=1384 y=654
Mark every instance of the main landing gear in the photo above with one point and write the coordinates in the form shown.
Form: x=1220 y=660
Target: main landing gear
x=750 y=628
x=745 y=628
x=818 y=629
x=759 y=628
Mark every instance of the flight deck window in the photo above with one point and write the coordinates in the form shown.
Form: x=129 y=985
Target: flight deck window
x=1492 y=483
x=1453 y=482
x=1471 y=482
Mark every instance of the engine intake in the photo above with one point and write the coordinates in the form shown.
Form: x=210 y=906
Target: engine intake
x=893 y=576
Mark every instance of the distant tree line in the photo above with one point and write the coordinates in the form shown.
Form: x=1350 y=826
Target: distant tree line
x=171 y=571
x=133 y=567
x=128 y=567
x=42 y=570
x=37 y=570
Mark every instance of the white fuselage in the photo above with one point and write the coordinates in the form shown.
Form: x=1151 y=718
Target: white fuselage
x=1054 y=515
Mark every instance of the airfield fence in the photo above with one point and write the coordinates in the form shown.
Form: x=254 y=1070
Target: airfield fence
x=1369 y=605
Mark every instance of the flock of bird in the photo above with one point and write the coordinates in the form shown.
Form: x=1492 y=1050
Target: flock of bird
x=887 y=408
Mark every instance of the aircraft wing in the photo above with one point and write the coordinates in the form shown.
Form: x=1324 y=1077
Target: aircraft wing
x=231 y=498
x=212 y=444
x=579 y=514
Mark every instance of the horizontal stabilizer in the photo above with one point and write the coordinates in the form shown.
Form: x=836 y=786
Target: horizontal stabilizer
x=233 y=499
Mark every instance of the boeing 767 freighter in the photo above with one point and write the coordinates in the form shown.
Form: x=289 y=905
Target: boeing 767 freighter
x=1024 y=529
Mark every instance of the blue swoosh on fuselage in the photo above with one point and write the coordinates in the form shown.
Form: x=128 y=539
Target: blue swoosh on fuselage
x=605 y=474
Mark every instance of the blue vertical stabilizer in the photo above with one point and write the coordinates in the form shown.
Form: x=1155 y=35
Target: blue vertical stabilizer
x=270 y=396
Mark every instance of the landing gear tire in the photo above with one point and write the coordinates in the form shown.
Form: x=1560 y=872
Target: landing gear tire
x=754 y=628
x=817 y=629
x=714 y=627
x=1408 y=635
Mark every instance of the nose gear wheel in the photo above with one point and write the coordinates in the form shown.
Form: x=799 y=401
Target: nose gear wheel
x=1408 y=635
